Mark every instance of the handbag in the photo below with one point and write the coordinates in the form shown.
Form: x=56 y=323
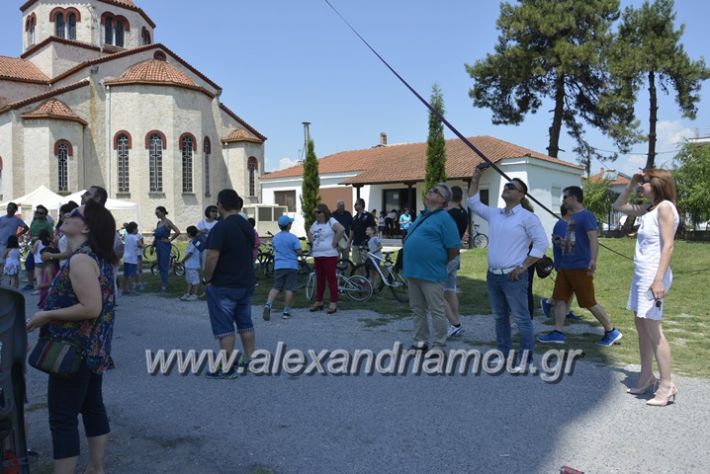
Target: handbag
x=59 y=357
x=544 y=266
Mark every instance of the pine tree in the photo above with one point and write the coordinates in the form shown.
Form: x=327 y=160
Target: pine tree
x=436 y=145
x=310 y=187
x=556 y=50
x=649 y=50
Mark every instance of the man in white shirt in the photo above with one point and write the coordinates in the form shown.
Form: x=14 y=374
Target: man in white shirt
x=510 y=229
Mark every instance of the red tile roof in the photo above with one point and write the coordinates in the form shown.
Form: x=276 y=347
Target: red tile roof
x=614 y=177
x=156 y=72
x=241 y=135
x=15 y=69
x=401 y=163
x=54 y=109
x=236 y=117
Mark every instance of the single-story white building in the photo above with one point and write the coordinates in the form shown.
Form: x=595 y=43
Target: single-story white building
x=391 y=177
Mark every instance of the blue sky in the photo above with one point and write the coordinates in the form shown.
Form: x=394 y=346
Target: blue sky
x=282 y=62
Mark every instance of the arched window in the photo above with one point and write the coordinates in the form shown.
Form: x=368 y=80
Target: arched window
x=252 y=167
x=186 y=145
x=108 y=25
x=206 y=172
x=119 y=33
x=71 y=26
x=59 y=25
x=62 y=179
x=156 y=163
x=122 y=146
x=145 y=35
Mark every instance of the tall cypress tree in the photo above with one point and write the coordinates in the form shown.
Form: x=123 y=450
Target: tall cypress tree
x=436 y=145
x=556 y=50
x=310 y=186
x=649 y=50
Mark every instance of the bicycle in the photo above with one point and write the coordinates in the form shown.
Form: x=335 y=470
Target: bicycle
x=480 y=240
x=174 y=266
x=150 y=252
x=345 y=265
x=356 y=287
x=379 y=277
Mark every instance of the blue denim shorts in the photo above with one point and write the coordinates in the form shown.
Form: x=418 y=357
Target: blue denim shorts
x=130 y=269
x=227 y=307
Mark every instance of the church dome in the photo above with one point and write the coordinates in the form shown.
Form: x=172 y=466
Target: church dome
x=156 y=72
x=54 y=109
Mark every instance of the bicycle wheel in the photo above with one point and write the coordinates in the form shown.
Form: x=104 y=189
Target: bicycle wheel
x=179 y=269
x=304 y=273
x=366 y=270
x=356 y=287
x=344 y=266
x=154 y=270
x=149 y=253
x=269 y=267
x=399 y=288
x=174 y=252
x=310 y=286
x=480 y=241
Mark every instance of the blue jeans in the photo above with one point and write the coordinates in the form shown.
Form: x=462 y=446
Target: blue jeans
x=510 y=298
x=227 y=307
x=163 y=250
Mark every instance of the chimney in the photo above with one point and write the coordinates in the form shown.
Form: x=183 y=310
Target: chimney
x=383 y=139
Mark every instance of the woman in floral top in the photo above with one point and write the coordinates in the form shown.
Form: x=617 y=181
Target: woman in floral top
x=82 y=291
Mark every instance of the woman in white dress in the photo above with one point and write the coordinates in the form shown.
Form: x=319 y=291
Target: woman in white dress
x=652 y=277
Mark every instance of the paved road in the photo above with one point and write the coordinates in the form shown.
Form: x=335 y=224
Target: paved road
x=363 y=424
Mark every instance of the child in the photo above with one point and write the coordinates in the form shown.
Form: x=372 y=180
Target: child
x=12 y=261
x=287 y=249
x=192 y=262
x=132 y=249
x=47 y=271
x=374 y=245
x=381 y=224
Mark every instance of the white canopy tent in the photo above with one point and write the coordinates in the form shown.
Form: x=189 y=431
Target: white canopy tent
x=124 y=208
x=27 y=203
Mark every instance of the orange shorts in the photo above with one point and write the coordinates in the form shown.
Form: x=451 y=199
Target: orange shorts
x=575 y=281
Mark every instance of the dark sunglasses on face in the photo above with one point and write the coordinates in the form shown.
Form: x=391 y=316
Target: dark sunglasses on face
x=511 y=186
x=436 y=191
x=77 y=213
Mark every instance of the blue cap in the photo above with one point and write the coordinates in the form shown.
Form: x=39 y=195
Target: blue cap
x=284 y=220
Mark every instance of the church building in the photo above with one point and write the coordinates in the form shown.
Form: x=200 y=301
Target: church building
x=94 y=100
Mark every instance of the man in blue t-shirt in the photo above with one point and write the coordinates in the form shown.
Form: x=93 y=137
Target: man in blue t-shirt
x=577 y=263
x=230 y=280
x=287 y=248
x=435 y=236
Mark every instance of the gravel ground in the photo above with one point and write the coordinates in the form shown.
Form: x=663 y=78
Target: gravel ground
x=351 y=424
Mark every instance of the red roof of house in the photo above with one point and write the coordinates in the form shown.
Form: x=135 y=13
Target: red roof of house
x=614 y=177
x=241 y=135
x=54 y=109
x=156 y=72
x=402 y=163
x=20 y=70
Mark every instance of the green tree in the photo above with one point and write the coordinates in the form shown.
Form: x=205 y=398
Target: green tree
x=598 y=198
x=436 y=145
x=692 y=177
x=310 y=196
x=648 y=50
x=556 y=49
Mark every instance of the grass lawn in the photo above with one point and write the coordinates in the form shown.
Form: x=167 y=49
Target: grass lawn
x=686 y=319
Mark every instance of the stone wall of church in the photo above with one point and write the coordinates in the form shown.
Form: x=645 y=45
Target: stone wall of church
x=6 y=142
x=11 y=91
x=56 y=58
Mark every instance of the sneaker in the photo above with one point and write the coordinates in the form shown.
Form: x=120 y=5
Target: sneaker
x=546 y=307
x=285 y=315
x=574 y=317
x=191 y=298
x=221 y=375
x=552 y=337
x=419 y=346
x=266 y=313
x=184 y=297
x=610 y=337
x=454 y=331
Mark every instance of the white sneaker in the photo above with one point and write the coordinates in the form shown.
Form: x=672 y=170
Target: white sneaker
x=185 y=297
x=191 y=298
x=454 y=331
